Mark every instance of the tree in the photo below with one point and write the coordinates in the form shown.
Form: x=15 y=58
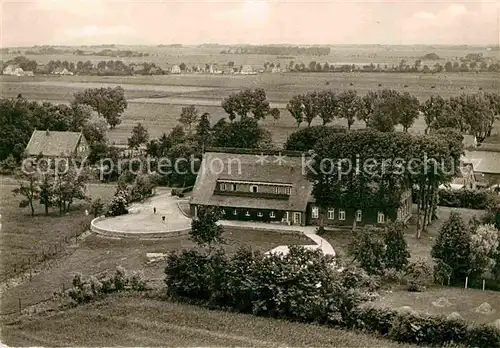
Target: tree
x=139 y=136
x=396 y=252
x=118 y=205
x=327 y=106
x=69 y=187
x=306 y=139
x=107 y=102
x=16 y=120
x=94 y=130
x=247 y=102
x=296 y=108
x=453 y=247
x=432 y=109
x=182 y=66
x=485 y=241
x=448 y=67
x=204 y=135
x=245 y=133
x=349 y=106
x=310 y=107
x=46 y=191
x=96 y=208
x=368 y=249
x=204 y=228
x=189 y=115
x=28 y=188
x=408 y=110
x=275 y=113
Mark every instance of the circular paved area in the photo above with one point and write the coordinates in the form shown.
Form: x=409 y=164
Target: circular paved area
x=142 y=220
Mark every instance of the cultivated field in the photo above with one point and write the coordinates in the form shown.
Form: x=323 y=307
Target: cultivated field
x=156 y=101
x=129 y=320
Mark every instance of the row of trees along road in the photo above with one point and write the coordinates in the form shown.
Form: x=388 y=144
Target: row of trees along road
x=384 y=109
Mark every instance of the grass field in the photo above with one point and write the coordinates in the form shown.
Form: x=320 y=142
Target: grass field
x=156 y=101
x=97 y=254
x=128 y=320
x=23 y=236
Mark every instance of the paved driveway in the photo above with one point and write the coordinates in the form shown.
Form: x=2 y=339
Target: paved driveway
x=141 y=218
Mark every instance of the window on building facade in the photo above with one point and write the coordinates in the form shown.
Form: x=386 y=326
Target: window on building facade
x=223 y=212
x=315 y=212
x=331 y=214
x=254 y=188
x=235 y=212
x=276 y=190
x=341 y=215
x=247 y=213
x=259 y=214
x=222 y=187
x=381 y=218
x=359 y=215
x=272 y=215
x=234 y=187
x=288 y=190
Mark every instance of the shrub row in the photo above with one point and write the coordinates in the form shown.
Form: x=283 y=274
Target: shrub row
x=303 y=286
x=83 y=291
x=470 y=199
x=413 y=327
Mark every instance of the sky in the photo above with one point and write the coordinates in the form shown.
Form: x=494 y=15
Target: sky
x=89 y=22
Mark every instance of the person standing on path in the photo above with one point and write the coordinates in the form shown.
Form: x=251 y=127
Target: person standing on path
x=163 y=218
x=154 y=210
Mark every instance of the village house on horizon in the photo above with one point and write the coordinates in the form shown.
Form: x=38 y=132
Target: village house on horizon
x=268 y=191
x=56 y=144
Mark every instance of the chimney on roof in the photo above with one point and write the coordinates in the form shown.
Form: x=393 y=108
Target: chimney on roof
x=47 y=132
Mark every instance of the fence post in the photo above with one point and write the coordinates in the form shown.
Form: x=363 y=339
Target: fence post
x=30 y=273
x=19 y=305
x=63 y=289
x=466 y=281
x=484 y=284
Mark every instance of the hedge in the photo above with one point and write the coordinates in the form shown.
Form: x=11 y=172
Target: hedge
x=470 y=199
x=420 y=328
x=303 y=286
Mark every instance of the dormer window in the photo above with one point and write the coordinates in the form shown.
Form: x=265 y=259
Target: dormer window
x=222 y=187
x=247 y=213
x=277 y=190
x=288 y=190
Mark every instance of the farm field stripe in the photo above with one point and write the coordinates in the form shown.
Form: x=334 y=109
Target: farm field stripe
x=218 y=334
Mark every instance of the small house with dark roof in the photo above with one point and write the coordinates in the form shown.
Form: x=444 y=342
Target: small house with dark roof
x=54 y=144
x=486 y=165
x=273 y=188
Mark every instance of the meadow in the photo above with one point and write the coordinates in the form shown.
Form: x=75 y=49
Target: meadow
x=156 y=101
x=131 y=320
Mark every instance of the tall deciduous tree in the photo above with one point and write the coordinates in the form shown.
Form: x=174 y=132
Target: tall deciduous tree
x=296 y=108
x=327 y=105
x=306 y=139
x=139 y=137
x=29 y=188
x=245 y=103
x=408 y=110
x=189 y=115
x=204 y=228
x=204 y=135
x=245 y=133
x=432 y=109
x=310 y=107
x=107 y=102
x=349 y=106
x=396 y=251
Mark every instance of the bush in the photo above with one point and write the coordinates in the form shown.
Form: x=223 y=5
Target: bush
x=442 y=273
x=424 y=329
x=396 y=252
x=483 y=336
x=419 y=274
x=83 y=291
x=96 y=207
x=471 y=199
x=118 y=205
x=368 y=249
x=373 y=319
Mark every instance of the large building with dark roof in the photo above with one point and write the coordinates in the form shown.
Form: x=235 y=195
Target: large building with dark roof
x=54 y=144
x=273 y=188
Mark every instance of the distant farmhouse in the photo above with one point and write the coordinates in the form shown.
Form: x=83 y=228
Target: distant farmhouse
x=274 y=191
x=53 y=144
x=175 y=69
x=62 y=71
x=486 y=166
x=247 y=70
x=14 y=70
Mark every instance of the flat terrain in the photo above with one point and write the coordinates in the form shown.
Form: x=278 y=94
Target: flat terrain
x=156 y=101
x=129 y=320
x=96 y=254
x=25 y=237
